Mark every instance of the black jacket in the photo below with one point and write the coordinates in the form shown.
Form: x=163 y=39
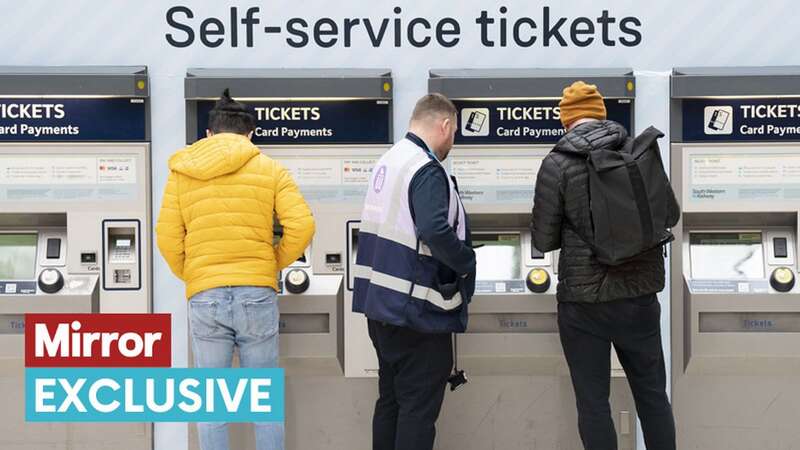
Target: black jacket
x=561 y=206
x=429 y=198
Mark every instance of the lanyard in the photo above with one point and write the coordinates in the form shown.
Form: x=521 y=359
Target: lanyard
x=421 y=144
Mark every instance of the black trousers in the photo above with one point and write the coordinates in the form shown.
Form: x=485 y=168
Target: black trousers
x=413 y=371
x=633 y=326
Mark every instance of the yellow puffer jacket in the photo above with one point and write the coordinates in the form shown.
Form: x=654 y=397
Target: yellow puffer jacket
x=216 y=219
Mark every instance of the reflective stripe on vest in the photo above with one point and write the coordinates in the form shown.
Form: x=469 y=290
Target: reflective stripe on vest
x=404 y=286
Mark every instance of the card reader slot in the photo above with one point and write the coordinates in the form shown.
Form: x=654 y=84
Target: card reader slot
x=53 y=248
x=780 y=247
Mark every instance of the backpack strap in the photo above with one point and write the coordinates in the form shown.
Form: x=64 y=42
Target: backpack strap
x=602 y=160
x=640 y=196
x=645 y=140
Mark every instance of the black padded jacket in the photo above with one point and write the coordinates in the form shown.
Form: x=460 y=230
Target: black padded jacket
x=562 y=206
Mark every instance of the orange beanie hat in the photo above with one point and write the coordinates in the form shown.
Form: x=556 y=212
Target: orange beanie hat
x=580 y=101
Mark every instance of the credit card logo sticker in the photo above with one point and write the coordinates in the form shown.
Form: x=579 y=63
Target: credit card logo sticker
x=475 y=122
x=718 y=120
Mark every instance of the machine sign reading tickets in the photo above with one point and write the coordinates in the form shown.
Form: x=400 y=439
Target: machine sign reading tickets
x=74 y=221
x=508 y=120
x=735 y=162
x=328 y=128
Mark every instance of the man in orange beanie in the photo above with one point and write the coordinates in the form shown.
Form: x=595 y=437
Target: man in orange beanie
x=581 y=103
x=600 y=305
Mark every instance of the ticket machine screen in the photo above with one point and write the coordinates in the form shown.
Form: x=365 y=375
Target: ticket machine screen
x=18 y=256
x=729 y=255
x=498 y=256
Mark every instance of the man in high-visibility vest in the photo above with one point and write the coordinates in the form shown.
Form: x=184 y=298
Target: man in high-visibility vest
x=414 y=276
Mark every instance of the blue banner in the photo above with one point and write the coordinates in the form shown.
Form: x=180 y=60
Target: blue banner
x=73 y=119
x=745 y=120
x=523 y=121
x=314 y=121
x=153 y=395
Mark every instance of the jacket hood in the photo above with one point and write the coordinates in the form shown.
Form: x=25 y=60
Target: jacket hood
x=213 y=157
x=595 y=135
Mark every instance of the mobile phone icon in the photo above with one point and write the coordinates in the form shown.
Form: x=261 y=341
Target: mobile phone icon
x=718 y=120
x=475 y=121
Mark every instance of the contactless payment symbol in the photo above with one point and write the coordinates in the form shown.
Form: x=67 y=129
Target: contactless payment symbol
x=475 y=122
x=718 y=120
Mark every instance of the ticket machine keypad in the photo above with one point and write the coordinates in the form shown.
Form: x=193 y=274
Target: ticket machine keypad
x=122 y=255
x=121 y=250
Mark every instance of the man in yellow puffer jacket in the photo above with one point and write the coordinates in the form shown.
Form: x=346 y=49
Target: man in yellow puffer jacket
x=215 y=230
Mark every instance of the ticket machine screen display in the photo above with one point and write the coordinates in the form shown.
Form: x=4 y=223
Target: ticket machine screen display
x=498 y=256
x=721 y=256
x=18 y=256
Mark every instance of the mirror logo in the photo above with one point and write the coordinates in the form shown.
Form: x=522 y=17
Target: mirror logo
x=117 y=368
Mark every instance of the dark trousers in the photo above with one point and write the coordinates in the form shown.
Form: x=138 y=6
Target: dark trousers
x=413 y=371
x=633 y=326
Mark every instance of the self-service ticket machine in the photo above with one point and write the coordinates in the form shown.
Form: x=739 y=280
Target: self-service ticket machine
x=508 y=122
x=74 y=222
x=735 y=163
x=328 y=127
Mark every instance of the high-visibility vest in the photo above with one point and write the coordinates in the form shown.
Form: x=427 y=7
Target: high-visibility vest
x=396 y=279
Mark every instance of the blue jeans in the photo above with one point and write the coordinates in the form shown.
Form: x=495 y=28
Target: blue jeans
x=228 y=317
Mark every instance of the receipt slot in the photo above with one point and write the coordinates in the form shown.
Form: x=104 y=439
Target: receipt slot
x=328 y=127
x=735 y=163
x=74 y=222
x=508 y=120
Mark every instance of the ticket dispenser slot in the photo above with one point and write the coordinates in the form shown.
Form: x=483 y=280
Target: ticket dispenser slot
x=121 y=255
x=735 y=305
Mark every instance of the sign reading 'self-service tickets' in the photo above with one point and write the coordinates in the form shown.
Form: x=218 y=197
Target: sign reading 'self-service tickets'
x=116 y=368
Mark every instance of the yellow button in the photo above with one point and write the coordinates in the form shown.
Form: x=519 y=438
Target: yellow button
x=386 y=87
x=783 y=275
x=140 y=84
x=538 y=276
x=297 y=277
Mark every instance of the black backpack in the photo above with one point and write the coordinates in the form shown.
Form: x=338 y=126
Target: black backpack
x=632 y=202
